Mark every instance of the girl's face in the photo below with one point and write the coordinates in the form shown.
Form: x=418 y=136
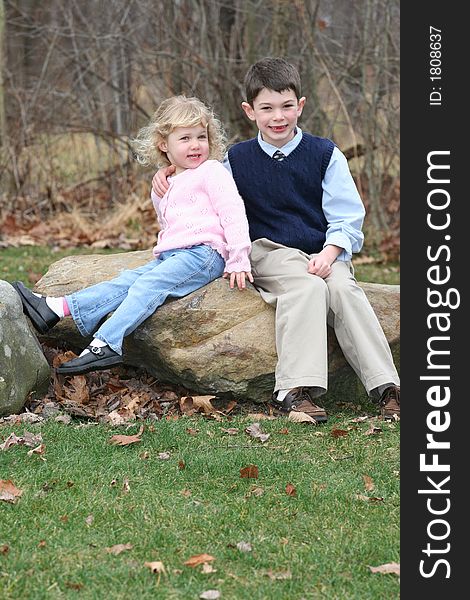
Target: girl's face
x=186 y=147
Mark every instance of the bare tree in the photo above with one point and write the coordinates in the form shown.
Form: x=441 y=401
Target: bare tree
x=101 y=68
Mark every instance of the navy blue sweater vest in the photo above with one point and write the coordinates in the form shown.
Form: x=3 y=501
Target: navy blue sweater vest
x=283 y=199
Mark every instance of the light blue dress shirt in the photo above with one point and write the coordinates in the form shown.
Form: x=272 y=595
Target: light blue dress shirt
x=341 y=203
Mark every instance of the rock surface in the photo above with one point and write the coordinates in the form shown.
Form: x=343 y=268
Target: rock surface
x=215 y=340
x=24 y=371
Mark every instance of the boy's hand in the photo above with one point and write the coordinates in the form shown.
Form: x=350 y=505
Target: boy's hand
x=240 y=278
x=321 y=263
x=159 y=183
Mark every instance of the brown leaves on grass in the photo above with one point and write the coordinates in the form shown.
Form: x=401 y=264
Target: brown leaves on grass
x=368 y=483
x=192 y=404
x=290 y=490
x=301 y=417
x=8 y=491
x=336 y=433
x=198 y=559
x=27 y=439
x=249 y=472
x=387 y=568
x=156 y=567
x=125 y=440
x=118 y=548
x=254 y=430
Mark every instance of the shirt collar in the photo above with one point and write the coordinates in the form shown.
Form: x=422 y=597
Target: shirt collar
x=286 y=149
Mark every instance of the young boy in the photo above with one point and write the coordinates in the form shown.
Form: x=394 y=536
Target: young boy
x=305 y=218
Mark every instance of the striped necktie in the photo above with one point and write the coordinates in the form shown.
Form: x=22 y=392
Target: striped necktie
x=278 y=155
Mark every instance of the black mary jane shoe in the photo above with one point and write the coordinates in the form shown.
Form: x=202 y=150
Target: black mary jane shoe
x=95 y=360
x=34 y=307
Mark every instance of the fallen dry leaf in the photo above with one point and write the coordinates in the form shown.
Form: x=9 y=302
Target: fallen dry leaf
x=300 y=417
x=12 y=440
x=387 y=568
x=38 y=450
x=192 y=431
x=114 y=418
x=368 y=498
x=27 y=439
x=244 y=546
x=42 y=544
x=191 y=404
x=210 y=595
x=230 y=406
x=368 y=483
x=283 y=431
x=207 y=568
x=254 y=430
x=279 y=575
x=118 y=548
x=4 y=548
x=164 y=455
x=77 y=389
x=249 y=472
x=360 y=419
x=125 y=440
x=290 y=490
x=73 y=586
x=181 y=465
x=198 y=559
x=373 y=430
x=8 y=491
x=89 y=520
x=336 y=433
x=260 y=417
x=156 y=566
x=230 y=431
x=256 y=491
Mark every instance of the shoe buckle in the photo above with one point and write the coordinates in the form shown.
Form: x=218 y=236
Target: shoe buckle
x=95 y=350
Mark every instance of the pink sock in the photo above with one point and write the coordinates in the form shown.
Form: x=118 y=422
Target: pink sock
x=65 y=307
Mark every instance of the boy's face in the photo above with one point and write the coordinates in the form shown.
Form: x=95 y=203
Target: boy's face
x=275 y=114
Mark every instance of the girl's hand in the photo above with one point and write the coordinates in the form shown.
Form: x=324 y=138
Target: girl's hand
x=239 y=278
x=159 y=183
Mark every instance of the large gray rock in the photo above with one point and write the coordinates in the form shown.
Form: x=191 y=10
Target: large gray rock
x=215 y=340
x=24 y=371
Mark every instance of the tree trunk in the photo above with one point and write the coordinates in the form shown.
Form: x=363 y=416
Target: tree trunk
x=3 y=60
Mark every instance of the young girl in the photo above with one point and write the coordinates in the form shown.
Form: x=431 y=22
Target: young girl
x=204 y=234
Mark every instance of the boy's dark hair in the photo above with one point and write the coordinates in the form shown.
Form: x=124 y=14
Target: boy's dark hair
x=273 y=74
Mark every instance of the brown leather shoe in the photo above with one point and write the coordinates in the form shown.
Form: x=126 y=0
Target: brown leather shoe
x=390 y=403
x=299 y=400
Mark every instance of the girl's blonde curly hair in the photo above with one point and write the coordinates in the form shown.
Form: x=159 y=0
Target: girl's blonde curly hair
x=177 y=111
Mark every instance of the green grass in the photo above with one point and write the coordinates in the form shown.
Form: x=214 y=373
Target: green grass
x=324 y=536
x=28 y=262
x=25 y=263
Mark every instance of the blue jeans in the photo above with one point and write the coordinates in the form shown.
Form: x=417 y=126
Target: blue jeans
x=135 y=294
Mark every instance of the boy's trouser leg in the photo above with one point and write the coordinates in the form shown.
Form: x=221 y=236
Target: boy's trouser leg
x=301 y=301
x=358 y=330
x=136 y=294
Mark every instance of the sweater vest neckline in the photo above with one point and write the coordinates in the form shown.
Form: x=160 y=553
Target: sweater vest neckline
x=291 y=155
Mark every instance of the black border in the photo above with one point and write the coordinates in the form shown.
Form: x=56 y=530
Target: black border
x=426 y=128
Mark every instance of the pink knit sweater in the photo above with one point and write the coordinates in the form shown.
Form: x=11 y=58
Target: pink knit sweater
x=203 y=206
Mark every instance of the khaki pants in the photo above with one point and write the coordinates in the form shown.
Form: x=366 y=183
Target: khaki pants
x=304 y=304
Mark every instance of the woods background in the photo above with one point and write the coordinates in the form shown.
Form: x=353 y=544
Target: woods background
x=78 y=78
